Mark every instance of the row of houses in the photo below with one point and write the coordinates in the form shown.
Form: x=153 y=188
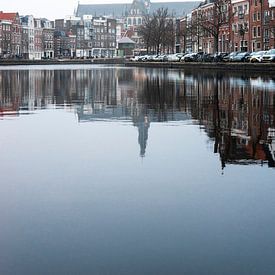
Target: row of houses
x=39 y=38
x=236 y=25
x=25 y=37
x=94 y=30
x=212 y=26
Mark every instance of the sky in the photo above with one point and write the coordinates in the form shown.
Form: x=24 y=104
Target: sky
x=53 y=9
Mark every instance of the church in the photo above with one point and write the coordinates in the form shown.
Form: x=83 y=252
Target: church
x=137 y=7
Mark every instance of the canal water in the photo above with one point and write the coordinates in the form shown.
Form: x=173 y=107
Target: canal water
x=115 y=170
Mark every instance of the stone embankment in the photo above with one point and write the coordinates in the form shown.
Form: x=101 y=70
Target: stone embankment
x=14 y=62
x=258 y=68
x=222 y=66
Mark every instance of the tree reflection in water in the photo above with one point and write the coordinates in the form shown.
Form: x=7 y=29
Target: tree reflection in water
x=237 y=112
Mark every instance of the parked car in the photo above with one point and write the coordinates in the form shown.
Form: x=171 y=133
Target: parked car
x=162 y=58
x=135 y=58
x=190 y=57
x=240 y=57
x=175 y=57
x=205 y=57
x=256 y=57
x=155 y=57
x=143 y=57
x=229 y=57
x=219 y=57
x=269 y=56
x=150 y=58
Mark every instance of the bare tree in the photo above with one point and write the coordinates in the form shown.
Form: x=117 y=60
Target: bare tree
x=147 y=32
x=211 y=23
x=158 y=31
x=185 y=31
x=169 y=36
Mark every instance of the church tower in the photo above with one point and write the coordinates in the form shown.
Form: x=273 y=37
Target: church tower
x=138 y=9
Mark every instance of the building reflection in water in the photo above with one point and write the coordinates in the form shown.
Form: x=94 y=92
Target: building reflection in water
x=237 y=112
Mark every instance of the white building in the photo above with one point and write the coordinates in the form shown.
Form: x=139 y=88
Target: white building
x=28 y=28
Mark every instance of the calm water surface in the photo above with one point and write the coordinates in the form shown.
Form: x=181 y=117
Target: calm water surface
x=113 y=170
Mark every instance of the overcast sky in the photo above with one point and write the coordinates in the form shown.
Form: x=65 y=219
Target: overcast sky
x=53 y=9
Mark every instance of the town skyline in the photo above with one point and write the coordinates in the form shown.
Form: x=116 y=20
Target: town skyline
x=58 y=9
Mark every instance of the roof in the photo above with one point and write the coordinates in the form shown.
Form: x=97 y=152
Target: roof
x=116 y=10
x=119 y=10
x=8 y=15
x=126 y=40
x=176 y=8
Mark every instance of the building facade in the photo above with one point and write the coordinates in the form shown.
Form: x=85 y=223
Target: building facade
x=248 y=25
x=11 y=34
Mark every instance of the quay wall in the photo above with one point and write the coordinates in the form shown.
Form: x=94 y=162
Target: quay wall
x=257 y=68
x=261 y=68
x=14 y=62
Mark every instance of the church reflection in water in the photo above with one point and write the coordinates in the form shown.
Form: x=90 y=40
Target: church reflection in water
x=237 y=112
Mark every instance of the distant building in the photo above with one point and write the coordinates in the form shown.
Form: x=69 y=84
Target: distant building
x=38 y=39
x=11 y=31
x=48 y=38
x=5 y=38
x=28 y=32
x=178 y=9
x=132 y=15
x=95 y=36
x=126 y=47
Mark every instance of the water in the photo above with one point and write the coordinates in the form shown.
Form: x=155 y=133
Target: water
x=113 y=170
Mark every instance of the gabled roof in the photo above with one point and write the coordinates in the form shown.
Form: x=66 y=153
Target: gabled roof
x=126 y=40
x=8 y=15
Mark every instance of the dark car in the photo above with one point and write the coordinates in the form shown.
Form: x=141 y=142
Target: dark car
x=205 y=57
x=241 y=57
x=190 y=57
x=219 y=57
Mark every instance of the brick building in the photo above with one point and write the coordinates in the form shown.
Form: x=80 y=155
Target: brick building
x=11 y=30
x=249 y=26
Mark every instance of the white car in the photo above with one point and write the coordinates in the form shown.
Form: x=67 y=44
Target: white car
x=175 y=57
x=269 y=56
x=135 y=58
x=256 y=57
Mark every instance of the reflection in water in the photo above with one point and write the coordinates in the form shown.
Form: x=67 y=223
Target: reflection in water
x=236 y=112
x=75 y=198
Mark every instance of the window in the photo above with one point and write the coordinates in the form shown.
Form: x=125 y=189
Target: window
x=254 y=31
x=240 y=27
x=259 y=31
x=259 y=16
x=254 y=16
